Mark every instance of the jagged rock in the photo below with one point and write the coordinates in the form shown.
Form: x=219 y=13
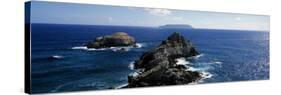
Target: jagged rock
x=158 y=66
x=114 y=40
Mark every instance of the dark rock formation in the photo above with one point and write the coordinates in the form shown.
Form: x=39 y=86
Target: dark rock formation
x=158 y=66
x=114 y=40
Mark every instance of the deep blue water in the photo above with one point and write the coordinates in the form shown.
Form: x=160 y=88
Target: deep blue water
x=227 y=55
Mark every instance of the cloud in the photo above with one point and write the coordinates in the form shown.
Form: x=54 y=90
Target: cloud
x=158 y=12
x=238 y=18
x=109 y=19
x=177 y=18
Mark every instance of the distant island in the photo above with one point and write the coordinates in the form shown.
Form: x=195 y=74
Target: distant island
x=117 y=39
x=176 y=26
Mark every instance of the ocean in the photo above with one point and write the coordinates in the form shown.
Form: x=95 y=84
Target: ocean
x=60 y=62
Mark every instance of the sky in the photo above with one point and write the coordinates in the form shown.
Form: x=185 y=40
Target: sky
x=89 y=14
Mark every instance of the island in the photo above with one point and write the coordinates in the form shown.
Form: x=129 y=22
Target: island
x=117 y=39
x=176 y=26
x=159 y=66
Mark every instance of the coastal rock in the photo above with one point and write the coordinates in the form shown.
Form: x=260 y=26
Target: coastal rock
x=114 y=40
x=158 y=66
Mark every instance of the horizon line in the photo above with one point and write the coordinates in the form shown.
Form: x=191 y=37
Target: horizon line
x=152 y=26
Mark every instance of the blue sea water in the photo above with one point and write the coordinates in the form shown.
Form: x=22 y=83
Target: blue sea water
x=60 y=63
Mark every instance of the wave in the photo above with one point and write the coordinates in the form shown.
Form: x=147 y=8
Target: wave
x=217 y=62
x=182 y=61
x=198 y=69
x=134 y=74
x=55 y=57
x=131 y=65
x=197 y=56
x=203 y=70
x=80 y=47
x=124 y=48
x=88 y=49
x=140 y=45
x=121 y=86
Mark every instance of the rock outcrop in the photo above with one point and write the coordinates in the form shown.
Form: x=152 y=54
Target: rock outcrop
x=158 y=66
x=114 y=40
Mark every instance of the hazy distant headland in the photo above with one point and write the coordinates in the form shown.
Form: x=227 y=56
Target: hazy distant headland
x=176 y=26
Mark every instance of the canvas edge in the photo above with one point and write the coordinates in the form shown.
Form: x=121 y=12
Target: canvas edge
x=27 y=39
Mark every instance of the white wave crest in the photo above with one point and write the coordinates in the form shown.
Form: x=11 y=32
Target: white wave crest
x=139 y=45
x=131 y=65
x=197 y=56
x=121 y=86
x=134 y=74
x=125 y=48
x=120 y=48
x=198 y=69
x=93 y=49
x=57 y=57
x=182 y=61
x=80 y=47
x=217 y=62
x=202 y=70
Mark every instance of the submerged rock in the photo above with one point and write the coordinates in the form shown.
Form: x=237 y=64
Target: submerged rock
x=158 y=66
x=114 y=40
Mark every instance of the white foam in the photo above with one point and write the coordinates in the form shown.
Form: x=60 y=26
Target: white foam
x=80 y=47
x=198 y=56
x=139 y=45
x=182 y=61
x=218 y=62
x=198 y=69
x=93 y=49
x=125 y=48
x=122 y=85
x=57 y=57
x=131 y=65
x=204 y=75
x=134 y=74
x=120 y=48
x=90 y=49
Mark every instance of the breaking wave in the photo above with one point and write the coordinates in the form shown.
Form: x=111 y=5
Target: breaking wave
x=131 y=65
x=202 y=67
x=126 y=48
x=56 y=57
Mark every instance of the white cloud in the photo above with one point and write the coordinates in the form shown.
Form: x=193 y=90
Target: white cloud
x=177 y=18
x=238 y=18
x=109 y=19
x=157 y=11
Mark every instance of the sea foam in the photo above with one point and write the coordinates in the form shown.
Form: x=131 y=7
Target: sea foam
x=203 y=70
x=56 y=57
x=131 y=65
x=182 y=61
x=197 y=56
x=80 y=47
x=125 y=48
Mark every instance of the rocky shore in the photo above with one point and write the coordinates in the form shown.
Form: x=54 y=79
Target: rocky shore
x=159 y=66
